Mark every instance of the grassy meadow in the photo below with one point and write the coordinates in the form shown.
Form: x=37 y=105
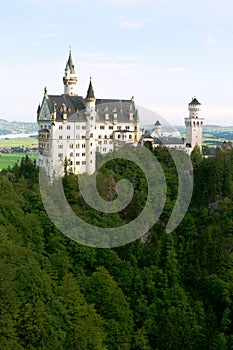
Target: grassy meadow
x=18 y=142
x=9 y=159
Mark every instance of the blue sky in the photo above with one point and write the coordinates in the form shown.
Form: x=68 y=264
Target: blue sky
x=162 y=52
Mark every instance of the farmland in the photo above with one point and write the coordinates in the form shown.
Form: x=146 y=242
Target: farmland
x=9 y=159
x=25 y=142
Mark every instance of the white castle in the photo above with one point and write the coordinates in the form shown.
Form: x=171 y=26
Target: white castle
x=71 y=129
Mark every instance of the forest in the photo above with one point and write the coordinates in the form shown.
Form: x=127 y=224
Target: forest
x=170 y=291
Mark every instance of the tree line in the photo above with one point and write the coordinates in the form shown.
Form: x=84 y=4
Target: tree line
x=171 y=291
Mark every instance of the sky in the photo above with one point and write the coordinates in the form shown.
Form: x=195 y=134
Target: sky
x=162 y=52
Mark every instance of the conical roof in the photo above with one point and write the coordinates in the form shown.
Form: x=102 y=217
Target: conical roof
x=194 y=102
x=70 y=64
x=90 y=91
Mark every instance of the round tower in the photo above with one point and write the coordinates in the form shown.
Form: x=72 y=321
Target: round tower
x=90 y=130
x=194 y=125
x=70 y=79
x=157 y=129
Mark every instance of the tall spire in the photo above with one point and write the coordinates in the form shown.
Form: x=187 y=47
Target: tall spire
x=70 y=78
x=70 y=63
x=90 y=91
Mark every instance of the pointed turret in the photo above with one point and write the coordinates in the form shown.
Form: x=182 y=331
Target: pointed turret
x=70 y=64
x=90 y=92
x=70 y=79
x=38 y=111
x=194 y=102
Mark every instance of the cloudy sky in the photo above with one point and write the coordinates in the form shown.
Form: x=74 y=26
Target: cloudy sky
x=162 y=52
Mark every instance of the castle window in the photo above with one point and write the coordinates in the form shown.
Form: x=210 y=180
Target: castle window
x=110 y=127
x=68 y=137
x=91 y=135
x=77 y=163
x=102 y=127
x=119 y=136
x=91 y=143
x=60 y=146
x=60 y=156
x=71 y=163
x=71 y=154
x=84 y=127
x=60 y=127
x=77 y=127
x=77 y=154
x=104 y=149
x=71 y=145
x=99 y=136
x=83 y=137
x=127 y=127
x=83 y=154
x=83 y=145
x=68 y=127
x=78 y=145
x=130 y=137
x=105 y=136
x=60 y=137
x=84 y=163
x=105 y=141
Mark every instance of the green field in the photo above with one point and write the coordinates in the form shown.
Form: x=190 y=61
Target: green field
x=8 y=160
x=18 y=142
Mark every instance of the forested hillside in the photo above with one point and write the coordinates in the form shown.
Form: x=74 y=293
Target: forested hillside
x=173 y=292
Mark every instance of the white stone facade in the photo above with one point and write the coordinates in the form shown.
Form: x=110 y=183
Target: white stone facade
x=71 y=129
x=194 y=126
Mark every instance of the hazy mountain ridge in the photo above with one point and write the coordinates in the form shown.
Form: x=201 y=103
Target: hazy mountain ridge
x=7 y=127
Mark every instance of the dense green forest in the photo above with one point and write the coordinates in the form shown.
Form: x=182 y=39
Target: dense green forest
x=172 y=291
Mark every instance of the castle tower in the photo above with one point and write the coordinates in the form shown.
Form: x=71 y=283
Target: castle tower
x=90 y=130
x=70 y=78
x=194 y=125
x=157 y=129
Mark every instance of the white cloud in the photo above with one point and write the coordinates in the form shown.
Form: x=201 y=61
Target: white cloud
x=211 y=41
x=177 y=69
x=132 y=24
x=170 y=69
x=126 y=58
x=95 y=56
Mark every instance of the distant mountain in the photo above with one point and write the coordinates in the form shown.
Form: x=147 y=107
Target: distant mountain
x=14 y=127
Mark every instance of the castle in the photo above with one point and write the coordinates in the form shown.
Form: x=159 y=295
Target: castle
x=193 y=124
x=71 y=128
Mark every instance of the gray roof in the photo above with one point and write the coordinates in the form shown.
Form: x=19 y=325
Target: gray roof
x=157 y=123
x=73 y=104
x=90 y=91
x=194 y=102
x=162 y=140
x=70 y=64
x=75 y=108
